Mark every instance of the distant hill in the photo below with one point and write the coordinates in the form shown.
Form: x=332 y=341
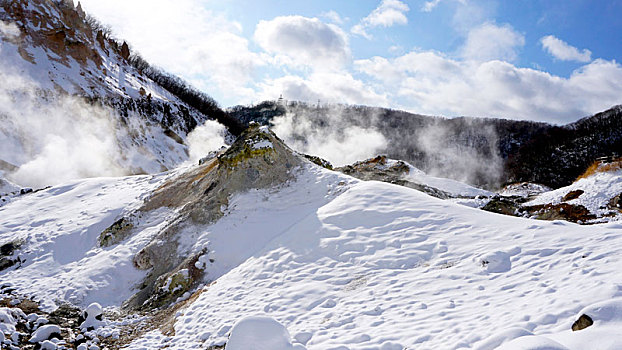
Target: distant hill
x=482 y=151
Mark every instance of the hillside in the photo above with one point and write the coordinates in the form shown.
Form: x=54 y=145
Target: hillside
x=70 y=85
x=481 y=151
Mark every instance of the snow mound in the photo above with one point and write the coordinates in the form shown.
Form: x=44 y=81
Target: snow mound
x=44 y=333
x=260 y=333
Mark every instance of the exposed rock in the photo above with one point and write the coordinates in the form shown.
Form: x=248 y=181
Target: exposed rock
x=319 y=161
x=257 y=159
x=562 y=211
x=117 y=232
x=7 y=252
x=616 y=202
x=8 y=249
x=173 y=135
x=380 y=169
x=583 y=322
x=507 y=205
x=572 y=195
x=125 y=51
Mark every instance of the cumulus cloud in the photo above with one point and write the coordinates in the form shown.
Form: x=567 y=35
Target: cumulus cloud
x=562 y=51
x=334 y=17
x=429 y=82
x=387 y=14
x=428 y=6
x=332 y=87
x=304 y=41
x=205 y=48
x=492 y=42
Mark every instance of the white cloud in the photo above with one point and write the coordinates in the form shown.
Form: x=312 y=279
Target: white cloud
x=304 y=41
x=562 y=51
x=428 y=6
x=387 y=14
x=333 y=17
x=428 y=82
x=333 y=87
x=492 y=42
x=184 y=38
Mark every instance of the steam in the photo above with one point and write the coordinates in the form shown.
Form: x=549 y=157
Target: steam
x=9 y=30
x=327 y=134
x=461 y=149
x=470 y=156
x=204 y=139
x=52 y=138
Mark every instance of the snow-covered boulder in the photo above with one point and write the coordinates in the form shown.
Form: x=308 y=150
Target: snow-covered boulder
x=45 y=333
x=92 y=317
x=260 y=333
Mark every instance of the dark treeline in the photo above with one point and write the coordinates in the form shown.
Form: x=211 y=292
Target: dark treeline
x=187 y=93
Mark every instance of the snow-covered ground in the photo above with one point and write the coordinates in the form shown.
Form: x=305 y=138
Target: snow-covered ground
x=455 y=188
x=598 y=189
x=58 y=230
x=340 y=263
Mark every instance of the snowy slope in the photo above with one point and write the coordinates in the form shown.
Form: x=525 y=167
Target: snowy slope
x=598 y=190
x=382 y=266
x=456 y=188
x=58 y=229
x=340 y=262
x=73 y=106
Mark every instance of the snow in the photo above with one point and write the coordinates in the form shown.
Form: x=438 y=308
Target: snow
x=379 y=266
x=262 y=144
x=260 y=333
x=339 y=263
x=59 y=228
x=453 y=187
x=8 y=319
x=44 y=333
x=524 y=189
x=598 y=188
x=91 y=314
x=7 y=186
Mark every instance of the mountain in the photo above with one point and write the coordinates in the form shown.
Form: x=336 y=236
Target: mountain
x=70 y=85
x=482 y=151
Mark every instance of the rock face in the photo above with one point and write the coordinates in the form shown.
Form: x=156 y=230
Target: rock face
x=380 y=169
x=257 y=159
x=583 y=322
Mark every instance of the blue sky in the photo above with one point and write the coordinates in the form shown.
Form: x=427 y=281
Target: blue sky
x=555 y=61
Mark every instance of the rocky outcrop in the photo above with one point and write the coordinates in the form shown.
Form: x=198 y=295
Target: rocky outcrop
x=381 y=169
x=199 y=197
